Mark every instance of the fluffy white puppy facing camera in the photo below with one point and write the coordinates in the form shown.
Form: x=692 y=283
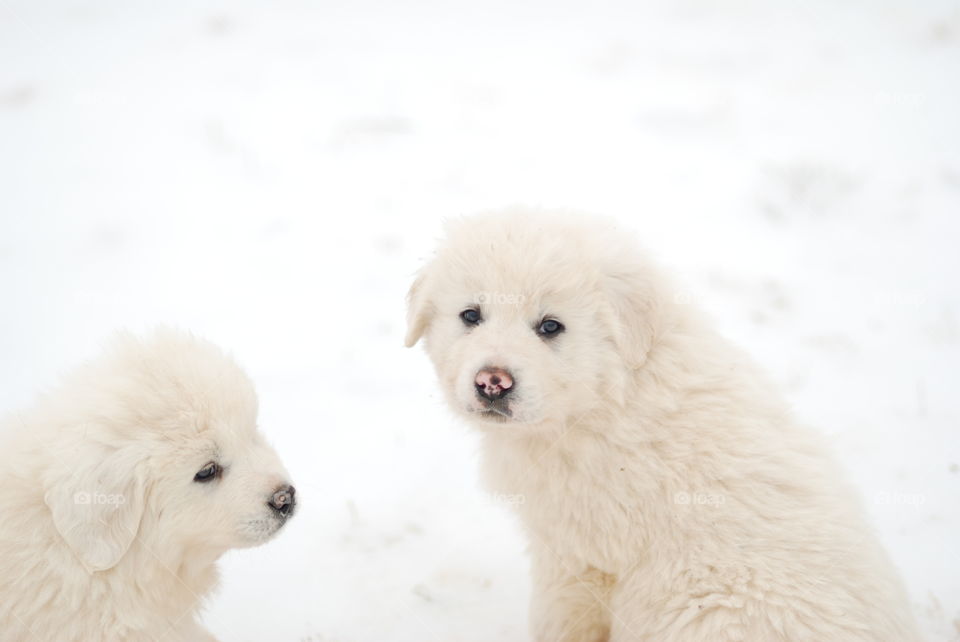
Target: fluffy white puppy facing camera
x=668 y=493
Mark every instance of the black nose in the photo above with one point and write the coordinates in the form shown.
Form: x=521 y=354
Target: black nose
x=284 y=500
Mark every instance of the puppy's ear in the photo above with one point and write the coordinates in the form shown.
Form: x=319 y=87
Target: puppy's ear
x=633 y=296
x=419 y=309
x=97 y=507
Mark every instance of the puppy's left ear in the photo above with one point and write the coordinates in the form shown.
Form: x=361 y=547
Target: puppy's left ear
x=419 y=309
x=632 y=293
x=97 y=508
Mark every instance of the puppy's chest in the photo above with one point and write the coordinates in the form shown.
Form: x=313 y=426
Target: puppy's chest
x=579 y=505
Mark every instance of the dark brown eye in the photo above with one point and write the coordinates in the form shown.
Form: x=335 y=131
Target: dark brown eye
x=550 y=327
x=208 y=473
x=471 y=316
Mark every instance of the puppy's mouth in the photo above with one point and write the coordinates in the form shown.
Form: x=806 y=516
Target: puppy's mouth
x=496 y=410
x=282 y=519
x=259 y=530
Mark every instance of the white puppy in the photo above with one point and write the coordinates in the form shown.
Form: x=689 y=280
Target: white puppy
x=119 y=491
x=669 y=496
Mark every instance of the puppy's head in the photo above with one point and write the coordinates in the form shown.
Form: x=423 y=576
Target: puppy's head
x=159 y=445
x=533 y=317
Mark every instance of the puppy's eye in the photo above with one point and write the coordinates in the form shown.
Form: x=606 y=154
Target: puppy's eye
x=550 y=327
x=208 y=473
x=471 y=316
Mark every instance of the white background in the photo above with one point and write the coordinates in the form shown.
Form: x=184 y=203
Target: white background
x=270 y=175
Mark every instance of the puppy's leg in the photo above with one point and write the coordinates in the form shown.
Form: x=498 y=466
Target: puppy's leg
x=569 y=601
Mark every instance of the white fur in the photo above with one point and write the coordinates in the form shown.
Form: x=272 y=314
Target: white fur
x=669 y=496
x=104 y=534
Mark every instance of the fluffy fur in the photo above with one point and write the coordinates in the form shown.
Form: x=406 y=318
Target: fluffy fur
x=668 y=493
x=104 y=534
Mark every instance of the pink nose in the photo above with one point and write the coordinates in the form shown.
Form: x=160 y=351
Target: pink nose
x=493 y=383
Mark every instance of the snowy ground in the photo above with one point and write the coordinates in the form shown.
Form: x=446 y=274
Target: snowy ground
x=271 y=174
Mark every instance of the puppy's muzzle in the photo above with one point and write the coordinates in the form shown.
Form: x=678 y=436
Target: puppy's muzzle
x=283 y=500
x=493 y=383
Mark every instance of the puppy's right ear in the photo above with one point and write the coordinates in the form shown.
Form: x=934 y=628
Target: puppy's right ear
x=97 y=502
x=632 y=294
x=419 y=309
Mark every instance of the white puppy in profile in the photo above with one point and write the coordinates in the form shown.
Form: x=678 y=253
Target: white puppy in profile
x=121 y=488
x=669 y=495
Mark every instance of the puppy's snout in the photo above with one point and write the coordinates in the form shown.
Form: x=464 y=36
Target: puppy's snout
x=283 y=500
x=493 y=383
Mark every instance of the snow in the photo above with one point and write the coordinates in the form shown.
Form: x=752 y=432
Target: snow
x=270 y=175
